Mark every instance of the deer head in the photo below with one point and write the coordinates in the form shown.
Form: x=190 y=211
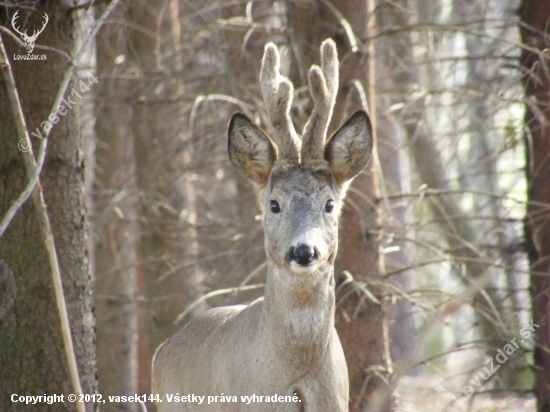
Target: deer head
x=29 y=40
x=300 y=182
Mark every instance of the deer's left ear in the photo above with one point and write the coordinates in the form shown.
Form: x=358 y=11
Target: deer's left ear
x=250 y=150
x=349 y=149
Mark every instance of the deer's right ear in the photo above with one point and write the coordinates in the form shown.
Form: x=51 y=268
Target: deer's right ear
x=250 y=149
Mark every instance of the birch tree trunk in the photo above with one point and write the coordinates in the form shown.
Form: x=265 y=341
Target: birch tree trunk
x=164 y=178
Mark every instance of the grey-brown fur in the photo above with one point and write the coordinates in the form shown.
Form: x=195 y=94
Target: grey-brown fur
x=285 y=342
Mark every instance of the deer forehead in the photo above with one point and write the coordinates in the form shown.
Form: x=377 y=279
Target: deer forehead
x=302 y=178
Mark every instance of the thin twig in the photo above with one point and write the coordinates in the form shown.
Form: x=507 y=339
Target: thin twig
x=451 y=28
x=247 y=108
x=425 y=191
x=187 y=263
x=218 y=292
x=345 y=24
x=251 y=275
x=32 y=171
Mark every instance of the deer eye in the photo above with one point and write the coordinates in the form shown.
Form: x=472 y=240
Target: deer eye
x=274 y=206
x=329 y=206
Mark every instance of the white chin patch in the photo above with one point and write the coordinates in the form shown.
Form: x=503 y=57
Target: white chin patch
x=304 y=270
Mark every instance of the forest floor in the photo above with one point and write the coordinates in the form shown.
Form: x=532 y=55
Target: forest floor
x=429 y=394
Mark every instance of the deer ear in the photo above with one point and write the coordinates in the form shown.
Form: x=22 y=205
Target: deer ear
x=349 y=149
x=250 y=149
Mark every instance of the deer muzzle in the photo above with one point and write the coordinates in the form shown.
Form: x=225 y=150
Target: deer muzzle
x=303 y=255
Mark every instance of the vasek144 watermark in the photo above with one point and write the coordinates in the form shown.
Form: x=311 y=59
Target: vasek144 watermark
x=66 y=105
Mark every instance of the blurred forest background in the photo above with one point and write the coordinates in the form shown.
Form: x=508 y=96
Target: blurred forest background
x=444 y=254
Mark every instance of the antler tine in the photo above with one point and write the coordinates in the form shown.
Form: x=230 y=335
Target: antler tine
x=13 y=19
x=277 y=92
x=323 y=86
x=46 y=20
x=37 y=32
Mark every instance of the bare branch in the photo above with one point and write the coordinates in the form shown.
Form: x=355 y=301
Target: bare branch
x=218 y=292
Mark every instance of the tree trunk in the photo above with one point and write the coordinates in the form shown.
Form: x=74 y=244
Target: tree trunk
x=33 y=360
x=360 y=321
x=164 y=178
x=395 y=213
x=115 y=222
x=535 y=19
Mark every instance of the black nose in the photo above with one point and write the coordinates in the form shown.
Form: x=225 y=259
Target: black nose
x=303 y=255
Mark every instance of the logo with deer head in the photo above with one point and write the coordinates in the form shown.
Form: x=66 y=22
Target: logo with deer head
x=29 y=40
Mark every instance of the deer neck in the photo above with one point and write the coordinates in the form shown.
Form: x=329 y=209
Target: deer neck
x=299 y=309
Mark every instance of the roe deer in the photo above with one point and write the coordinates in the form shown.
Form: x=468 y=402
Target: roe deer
x=284 y=343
